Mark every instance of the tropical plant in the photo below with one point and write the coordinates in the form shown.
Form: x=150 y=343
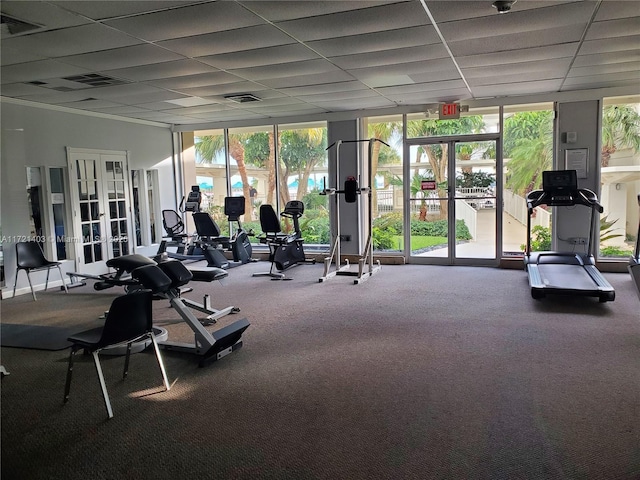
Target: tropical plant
x=528 y=143
x=437 y=154
x=620 y=129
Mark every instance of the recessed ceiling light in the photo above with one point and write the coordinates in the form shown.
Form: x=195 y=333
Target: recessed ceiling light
x=190 y=101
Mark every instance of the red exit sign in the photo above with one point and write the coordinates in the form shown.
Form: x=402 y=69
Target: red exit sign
x=449 y=111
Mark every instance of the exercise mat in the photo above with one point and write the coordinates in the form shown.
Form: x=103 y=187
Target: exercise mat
x=36 y=337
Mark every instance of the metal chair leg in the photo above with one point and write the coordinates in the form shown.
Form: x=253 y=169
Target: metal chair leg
x=64 y=284
x=126 y=361
x=46 y=282
x=33 y=293
x=103 y=385
x=15 y=282
x=69 y=373
x=160 y=362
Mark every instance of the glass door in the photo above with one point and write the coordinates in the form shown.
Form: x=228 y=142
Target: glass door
x=102 y=226
x=452 y=201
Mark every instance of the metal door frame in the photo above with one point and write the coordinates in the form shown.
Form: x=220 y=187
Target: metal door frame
x=451 y=258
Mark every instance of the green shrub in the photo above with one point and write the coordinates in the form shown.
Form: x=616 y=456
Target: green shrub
x=540 y=239
x=615 y=252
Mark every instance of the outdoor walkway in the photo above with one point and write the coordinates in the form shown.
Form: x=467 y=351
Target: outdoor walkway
x=483 y=246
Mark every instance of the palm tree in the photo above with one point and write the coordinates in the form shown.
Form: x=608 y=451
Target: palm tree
x=382 y=131
x=529 y=147
x=529 y=142
x=209 y=146
x=437 y=155
x=620 y=129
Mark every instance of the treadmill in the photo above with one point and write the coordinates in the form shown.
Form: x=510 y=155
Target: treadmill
x=634 y=261
x=565 y=273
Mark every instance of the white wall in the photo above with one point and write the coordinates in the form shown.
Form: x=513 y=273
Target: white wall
x=35 y=137
x=349 y=156
x=582 y=118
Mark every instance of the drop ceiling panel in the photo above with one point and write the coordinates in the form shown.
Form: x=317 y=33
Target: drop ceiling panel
x=612 y=9
x=599 y=81
x=229 y=88
x=446 y=11
x=557 y=68
x=277 y=11
x=390 y=57
x=609 y=68
x=98 y=10
x=308 y=67
x=191 y=81
x=375 y=42
x=519 y=88
x=53 y=97
x=120 y=92
x=187 y=21
x=134 y=56
x=408 y=90
x=301 y=80
x=261 y=57
x=609 y=45
x=248 y=38
x=357 y=22
x=71 y=41
x=522 y=55
x=10 y=56
x=49 y=16
x=325 y=88
x=432 y=96
x=517 y=23
x=325 y=97
x=506 y=43
x=356 y=104
x=606 y=58
x=302 y=57
x=89 y=104
x=39 y=70
x=162 y=70
x=618 y=27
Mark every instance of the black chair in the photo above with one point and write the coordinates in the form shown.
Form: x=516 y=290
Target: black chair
x=30 y=258
x=128 y=320
x=173 y=225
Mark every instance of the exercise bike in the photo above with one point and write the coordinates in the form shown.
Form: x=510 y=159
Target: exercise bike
x=285 y=249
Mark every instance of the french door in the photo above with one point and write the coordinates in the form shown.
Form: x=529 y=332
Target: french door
x=452 y=200
x=102 y=226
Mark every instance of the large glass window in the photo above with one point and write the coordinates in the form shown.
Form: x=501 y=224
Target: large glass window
x=302 y=169
x=386 y=181
x=249 y=164
x=620 y=177
x=527 y=152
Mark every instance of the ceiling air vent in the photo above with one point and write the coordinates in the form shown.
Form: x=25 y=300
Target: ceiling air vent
x=12 y=26
x=95 y=80
x=242 y=98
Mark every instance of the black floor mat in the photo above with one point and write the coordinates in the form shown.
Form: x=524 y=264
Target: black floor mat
x=37 y=337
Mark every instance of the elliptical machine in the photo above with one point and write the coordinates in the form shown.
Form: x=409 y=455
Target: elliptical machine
x=285 y=250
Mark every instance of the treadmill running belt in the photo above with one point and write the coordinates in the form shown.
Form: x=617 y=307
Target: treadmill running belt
x=573 y=277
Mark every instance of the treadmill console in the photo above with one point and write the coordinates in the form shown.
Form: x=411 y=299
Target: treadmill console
x=561 y=186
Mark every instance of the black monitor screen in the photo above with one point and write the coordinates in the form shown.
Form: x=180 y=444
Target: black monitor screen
x=560 y=180
x=234 y=206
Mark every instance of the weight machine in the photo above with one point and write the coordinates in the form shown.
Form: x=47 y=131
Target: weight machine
x=351 y=190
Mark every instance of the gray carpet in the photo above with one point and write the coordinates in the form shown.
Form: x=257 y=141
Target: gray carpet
x=423 y=372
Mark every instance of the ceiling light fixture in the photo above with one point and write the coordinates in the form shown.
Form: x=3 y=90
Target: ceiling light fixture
x=503 y=6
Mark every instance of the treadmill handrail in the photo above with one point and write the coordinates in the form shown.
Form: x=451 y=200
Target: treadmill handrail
x=581 y=196
x=560 y=254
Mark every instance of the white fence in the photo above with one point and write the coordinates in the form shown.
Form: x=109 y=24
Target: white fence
x=516 y=206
